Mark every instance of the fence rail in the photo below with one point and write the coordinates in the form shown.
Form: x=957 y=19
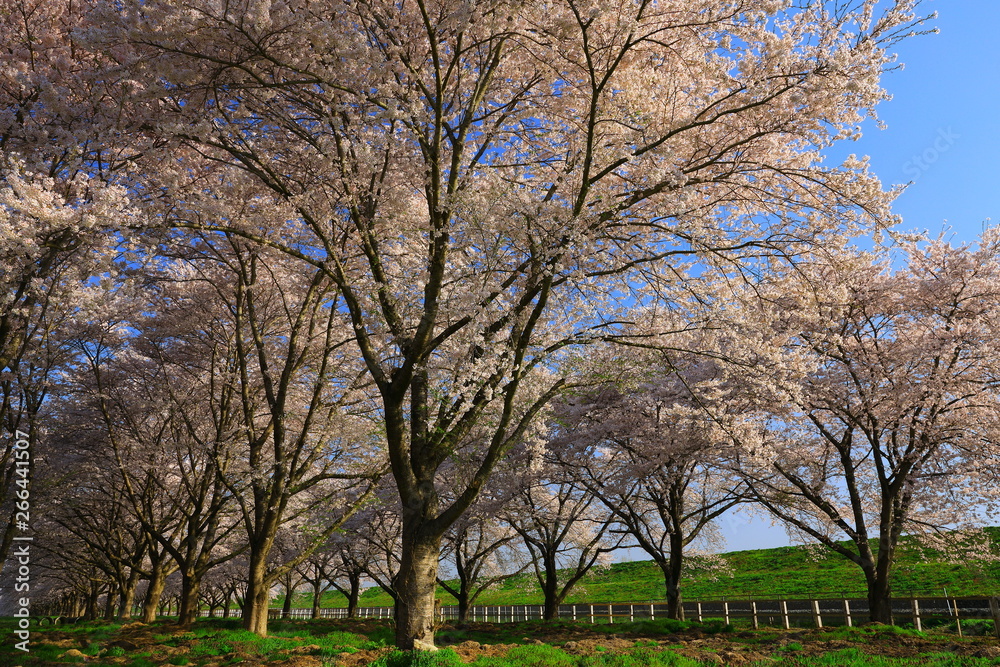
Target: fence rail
x=773 y=613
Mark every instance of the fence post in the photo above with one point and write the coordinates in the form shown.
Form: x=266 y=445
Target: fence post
x=725 y=611
x=591 y=614
x=631 y=613
x=784 y=615
x=699 y=611
x=916 y=614
x=817 y=619
x=847 y=613
x=958 y=621
x=652 y=612
x=753 y=612
x=995 y=611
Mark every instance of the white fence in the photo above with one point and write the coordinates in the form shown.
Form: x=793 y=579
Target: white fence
x=774 y=613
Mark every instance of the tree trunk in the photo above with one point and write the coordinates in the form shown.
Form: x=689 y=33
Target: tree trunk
x=879 y=589
x=415 y=585
x=672 y=577
x=7 y=539
x=286 y=607
x=354 y=595
x=317 y=597
x=257 y=598
x=157 y=582
x=190 y=587
x=128 y=596
x=109 y=602
x=93 y=596
x=550 y=589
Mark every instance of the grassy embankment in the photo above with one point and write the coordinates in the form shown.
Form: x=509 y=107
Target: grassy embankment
x=786 y=571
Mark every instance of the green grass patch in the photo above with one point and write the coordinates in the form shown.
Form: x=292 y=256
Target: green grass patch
x=638 y=658
x=442 y=658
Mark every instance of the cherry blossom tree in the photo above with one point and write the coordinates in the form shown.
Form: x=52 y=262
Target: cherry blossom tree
x=225 y=585
x=321 y=568
x=53 y=236
x=891 y=388
x=566 y=531
x=480 y=551
x=482 y=182
x=286 y=434
x=139 y=396
x=374 y=537
x=651 y=445
x=56 y=218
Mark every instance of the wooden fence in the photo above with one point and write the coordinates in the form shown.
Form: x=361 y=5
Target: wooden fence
x=774 y=613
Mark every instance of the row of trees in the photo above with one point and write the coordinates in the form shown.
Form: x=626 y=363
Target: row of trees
x=850 y=400
x=264 y=259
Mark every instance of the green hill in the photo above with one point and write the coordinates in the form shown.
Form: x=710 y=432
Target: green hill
x=785 y=571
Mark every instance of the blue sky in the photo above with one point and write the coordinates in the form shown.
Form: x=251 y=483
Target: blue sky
x=943 y=122
x=943 y=134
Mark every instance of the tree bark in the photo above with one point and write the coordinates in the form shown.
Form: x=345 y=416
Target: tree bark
x=114 y=595
x=93 y=599
x=157 y=582
x=463 y=608
x=877 y=578
x=416 y=584
x=317 y=598
x=286 y=607
x=257 y=598
x=128 y=596
x=879 y=599
x=354 y=595
x=672 y=569
x=550 y=589
x=190 y=588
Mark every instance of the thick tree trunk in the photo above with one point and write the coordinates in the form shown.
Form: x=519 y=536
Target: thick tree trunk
x=190 y=588
x=550 y=590
x=128 y=596
x=93 y=597
x=157 y=582
x=354 y=595
x=880 y=601
x=415 y=586
x=879 y=588
x=257 y=598
x=110 y=602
